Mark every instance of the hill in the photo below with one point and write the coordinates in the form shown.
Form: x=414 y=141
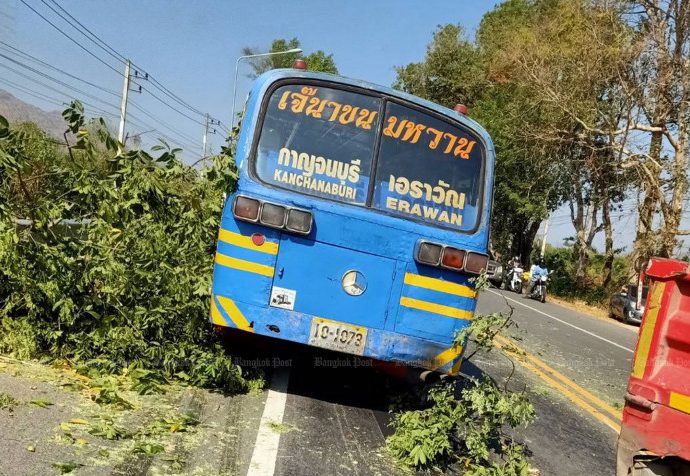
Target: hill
x=17 y=111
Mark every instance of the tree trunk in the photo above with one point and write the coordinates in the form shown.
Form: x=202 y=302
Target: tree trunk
x=608 y=239
x=644 y=246
x=526 y=242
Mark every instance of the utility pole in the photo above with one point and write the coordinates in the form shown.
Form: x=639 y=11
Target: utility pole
x=543 y=241
x=207 y=123
x=123 y=105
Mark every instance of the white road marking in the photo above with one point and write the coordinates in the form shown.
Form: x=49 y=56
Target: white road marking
x=564 y=322
x=263 y=462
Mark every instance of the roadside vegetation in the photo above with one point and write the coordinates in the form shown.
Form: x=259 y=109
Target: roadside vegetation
x=106 y=256
x=587 y=104
x=466 y=426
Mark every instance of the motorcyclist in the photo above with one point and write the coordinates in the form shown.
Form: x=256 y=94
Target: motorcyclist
x=515 y=263
x=537 y=270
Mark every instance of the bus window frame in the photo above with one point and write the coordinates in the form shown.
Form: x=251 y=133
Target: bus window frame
x=385 y=98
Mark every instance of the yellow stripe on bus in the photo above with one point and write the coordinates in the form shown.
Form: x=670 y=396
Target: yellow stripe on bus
x=439 y=285
x=435 y=308
x=244 y=265
x=235 y=314
x=446 y=356
x=679 y=402
x=647 y=331
x=216 y=317
x=243 y=241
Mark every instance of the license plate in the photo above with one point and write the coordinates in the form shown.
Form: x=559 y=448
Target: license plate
x=338 y=336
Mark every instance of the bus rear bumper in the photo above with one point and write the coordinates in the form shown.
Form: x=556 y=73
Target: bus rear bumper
x=296 y=327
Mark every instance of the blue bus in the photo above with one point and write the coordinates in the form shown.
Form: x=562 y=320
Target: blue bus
x=360 y=216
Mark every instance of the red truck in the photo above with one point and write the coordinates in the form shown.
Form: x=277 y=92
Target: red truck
x=655 y=431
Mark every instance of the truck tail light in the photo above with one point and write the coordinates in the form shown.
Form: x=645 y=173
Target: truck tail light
x=476 y=263
x=273 y=215
x=453 y=258
x=246 y=208
x=270 y=214
x=429 y=253
x=299 y=221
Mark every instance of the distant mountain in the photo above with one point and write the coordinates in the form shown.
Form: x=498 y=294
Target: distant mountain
x=17 y=111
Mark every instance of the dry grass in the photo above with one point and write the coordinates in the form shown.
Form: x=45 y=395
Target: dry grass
x=589 y=310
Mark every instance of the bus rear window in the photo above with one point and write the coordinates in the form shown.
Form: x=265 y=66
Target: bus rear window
x=318 y=141
x=428 y=169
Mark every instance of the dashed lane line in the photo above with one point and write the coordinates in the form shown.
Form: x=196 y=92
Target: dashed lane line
x=265 y=454
x=564 y=322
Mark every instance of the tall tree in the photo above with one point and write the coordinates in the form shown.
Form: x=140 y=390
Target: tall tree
x=454 y=71
x=660 y=84
x=316 y=61
x=567 y=55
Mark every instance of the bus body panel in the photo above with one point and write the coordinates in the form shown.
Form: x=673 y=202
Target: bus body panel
x=411 y=312
x=381 y=344
x=314 y=272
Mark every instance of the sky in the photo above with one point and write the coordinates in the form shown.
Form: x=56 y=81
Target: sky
x=191 y=48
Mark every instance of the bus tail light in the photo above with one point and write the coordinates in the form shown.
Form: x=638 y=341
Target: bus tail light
x=246 y=208
x=273 y=215
x=429 y=253
x=453 y=258
x=476 y=263
x=270 y=214
x=434 y=254
x=299 y=221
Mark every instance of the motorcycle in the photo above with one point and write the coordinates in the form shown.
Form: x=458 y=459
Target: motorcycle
x=538 y=291
x=514 y=279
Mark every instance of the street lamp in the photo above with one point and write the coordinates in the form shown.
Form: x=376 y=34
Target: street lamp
x=237 y=65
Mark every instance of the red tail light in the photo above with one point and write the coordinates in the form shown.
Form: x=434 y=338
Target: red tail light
x=453 y=258
x=476 y=263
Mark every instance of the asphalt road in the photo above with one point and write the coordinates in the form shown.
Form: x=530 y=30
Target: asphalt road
x=329 y=414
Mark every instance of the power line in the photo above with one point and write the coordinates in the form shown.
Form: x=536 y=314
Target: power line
x=118 y=56
x=71 y=39
x=55 y=68
x=171 y=128
x=94 y=38
x=171 y=107
x=137 y=122
x=84 y=31
x=79 y=91
x=53 y=99
x=35 y=94
x=47 y=76
x=115 y=54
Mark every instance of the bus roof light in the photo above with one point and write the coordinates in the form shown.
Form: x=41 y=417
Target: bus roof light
x=461 y=108
x=300 y=64
x=246 y=208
